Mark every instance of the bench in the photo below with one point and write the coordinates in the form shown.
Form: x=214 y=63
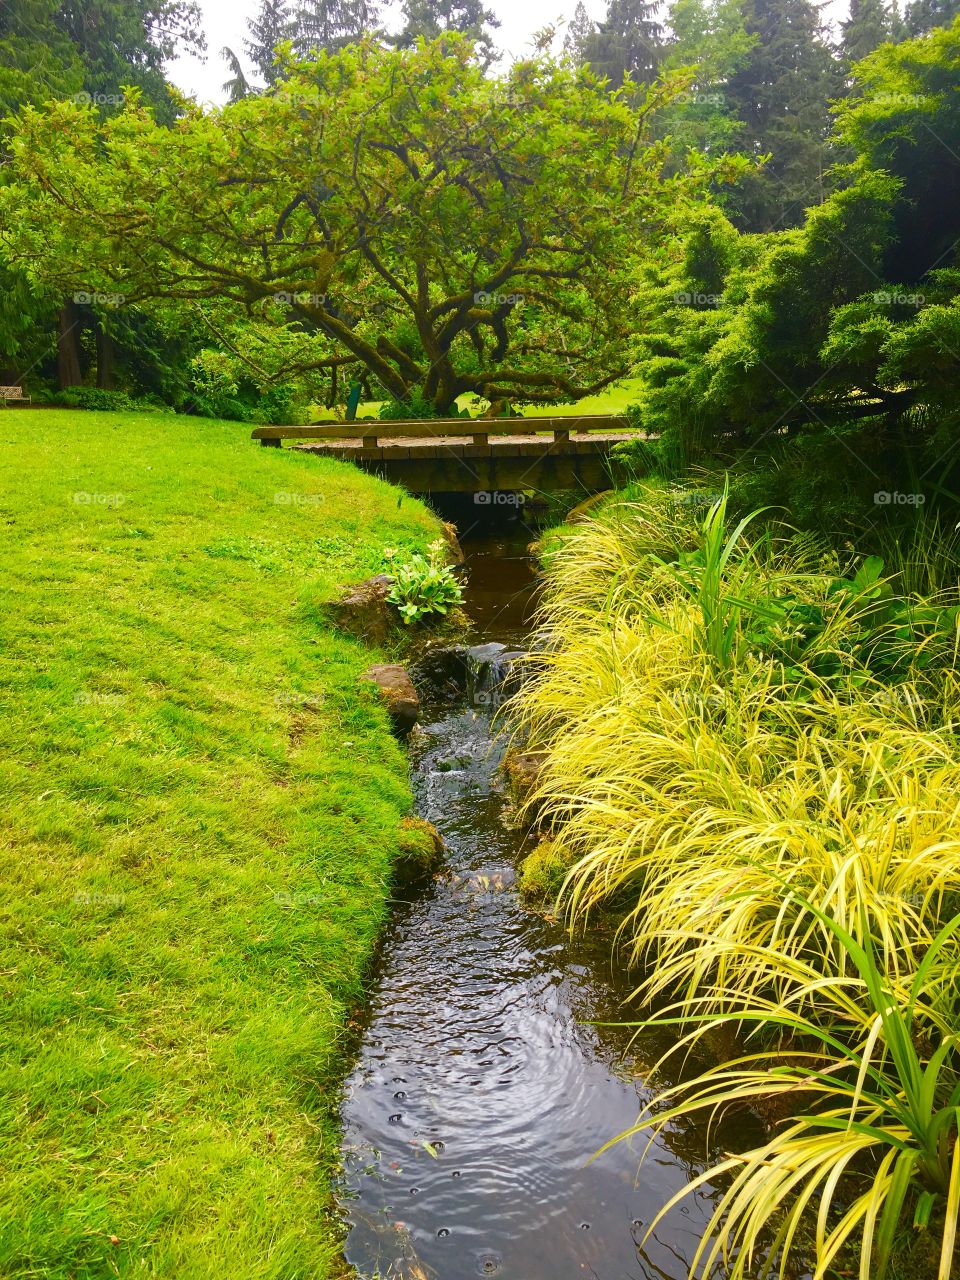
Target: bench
x=478 y=430
x=13 y=393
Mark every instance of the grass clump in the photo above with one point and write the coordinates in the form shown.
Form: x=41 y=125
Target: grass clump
x=754 y=744
x=200 y=820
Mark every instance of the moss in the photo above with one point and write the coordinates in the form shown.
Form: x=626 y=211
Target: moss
x=543 y=872
x=420 y=848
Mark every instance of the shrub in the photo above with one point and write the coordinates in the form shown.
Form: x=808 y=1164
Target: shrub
x=416 y=406
x=878 y=1138
x=102 y=399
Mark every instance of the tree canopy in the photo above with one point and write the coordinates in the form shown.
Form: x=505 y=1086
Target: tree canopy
x=845 y=331
x=443 y=231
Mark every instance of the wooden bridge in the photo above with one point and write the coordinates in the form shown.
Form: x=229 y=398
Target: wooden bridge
x=464 y=455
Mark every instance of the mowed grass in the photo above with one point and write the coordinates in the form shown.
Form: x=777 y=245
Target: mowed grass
x=613 y=400
x=200 y=807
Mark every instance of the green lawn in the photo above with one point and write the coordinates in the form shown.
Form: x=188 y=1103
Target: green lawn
x=614 y=400
x=200 y=807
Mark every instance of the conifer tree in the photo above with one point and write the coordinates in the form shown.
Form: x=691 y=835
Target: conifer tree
x=331 y=24
x=271 y=26
x=627 y=42
x=922 y=16
x=870 y=24
x=579 y=32
x=431 y=18
x=781 y=92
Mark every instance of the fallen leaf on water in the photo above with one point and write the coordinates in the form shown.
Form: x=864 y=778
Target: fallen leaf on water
x=431 y=1150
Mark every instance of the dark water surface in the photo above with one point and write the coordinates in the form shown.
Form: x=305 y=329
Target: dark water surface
x=481 y=1090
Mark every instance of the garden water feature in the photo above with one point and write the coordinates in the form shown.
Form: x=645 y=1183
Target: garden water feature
x=483 y=1087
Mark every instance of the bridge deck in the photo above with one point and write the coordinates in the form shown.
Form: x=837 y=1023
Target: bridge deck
x=426 y=447
x=463 y=455
x=431 y=464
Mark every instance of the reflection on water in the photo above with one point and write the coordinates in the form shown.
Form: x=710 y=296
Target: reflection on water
x=481 y=1090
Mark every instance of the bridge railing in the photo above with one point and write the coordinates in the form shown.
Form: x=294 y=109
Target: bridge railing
x=477 y=430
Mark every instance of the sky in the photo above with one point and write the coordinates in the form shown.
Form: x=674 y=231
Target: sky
x=225 y=23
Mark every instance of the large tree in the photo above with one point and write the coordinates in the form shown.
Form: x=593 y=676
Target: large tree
x=582 y=27
x=708 y=36
x=431 y=18
x=444 y=232
x=627 y=42
x=128 y=42
x=869 y=24
x=781 y=92
x=921 y=16
x=328 y=25
x=840 y=338
x=88 y=51
x=270 y=26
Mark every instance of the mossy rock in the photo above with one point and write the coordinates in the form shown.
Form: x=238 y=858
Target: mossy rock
x=420 y=848
x=522 y=770
x=543 y=872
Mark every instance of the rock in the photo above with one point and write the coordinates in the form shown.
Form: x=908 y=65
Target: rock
x=543 y=872
x=523 y=770
x=365 y=612
x=441 y=668
x=398 y=693
x=421 y=848
x=453 y=543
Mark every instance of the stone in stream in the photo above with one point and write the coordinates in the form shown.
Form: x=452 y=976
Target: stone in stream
x=398 y=692
x=449 y=534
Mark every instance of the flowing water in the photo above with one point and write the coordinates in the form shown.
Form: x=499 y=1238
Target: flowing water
x=483 y=1086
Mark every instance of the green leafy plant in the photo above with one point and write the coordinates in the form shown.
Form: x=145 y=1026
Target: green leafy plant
x=716 y=575
x=422 y=584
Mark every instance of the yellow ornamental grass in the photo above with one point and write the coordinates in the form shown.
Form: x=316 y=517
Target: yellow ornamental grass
x=675 y=792
x=783 y=849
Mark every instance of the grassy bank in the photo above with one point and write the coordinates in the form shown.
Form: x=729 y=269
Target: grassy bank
x=200 y=811
x=750 y=755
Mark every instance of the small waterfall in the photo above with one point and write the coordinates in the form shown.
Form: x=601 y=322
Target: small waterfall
x=491 y=678
x=483 y=676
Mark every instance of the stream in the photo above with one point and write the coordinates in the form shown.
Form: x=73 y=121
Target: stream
x=482 y=1087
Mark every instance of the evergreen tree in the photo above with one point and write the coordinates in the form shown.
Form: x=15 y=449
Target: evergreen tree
x=238 y=86
x=128 y=42
x=870 y=24
x=271 y=26
x=922 y=16
x=430 y=18
x=708 y=35
x=781 y=92
x=331 y=24
x=626 y=42
x=579 y=32
x=37 y=61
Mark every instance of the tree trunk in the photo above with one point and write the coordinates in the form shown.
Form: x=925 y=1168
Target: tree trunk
x=105 y=351
x=68 y=346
